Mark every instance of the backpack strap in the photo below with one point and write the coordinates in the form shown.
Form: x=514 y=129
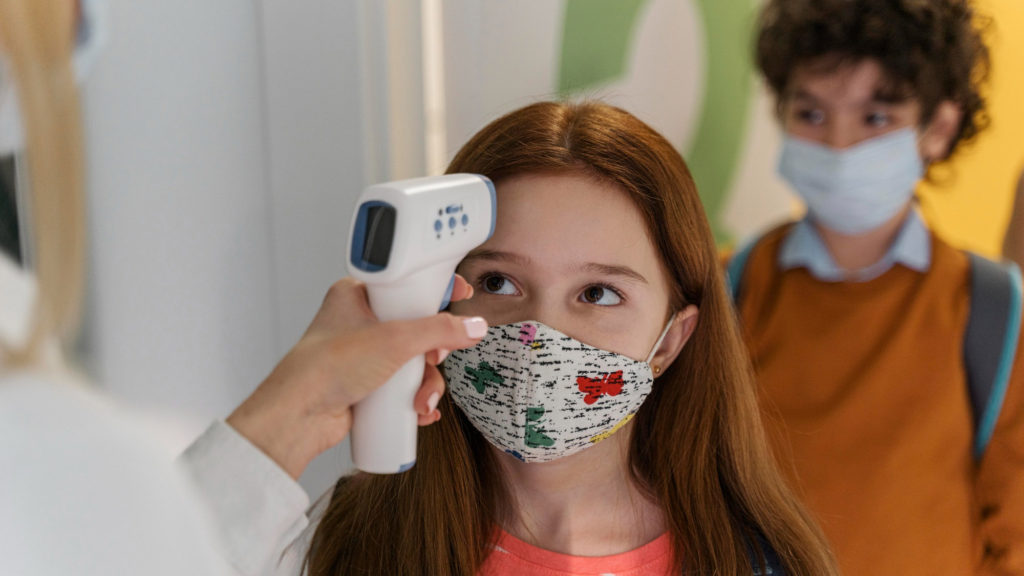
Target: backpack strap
x=737 y=265
x=990 y=342
x=764 y=561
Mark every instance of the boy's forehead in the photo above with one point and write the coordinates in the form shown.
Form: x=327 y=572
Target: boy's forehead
x=844 y=81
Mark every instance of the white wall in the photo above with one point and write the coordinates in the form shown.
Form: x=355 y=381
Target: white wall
x=225 y=149
x=318 y=163
x=181 y=305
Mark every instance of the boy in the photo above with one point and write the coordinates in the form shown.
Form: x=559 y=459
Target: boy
x=857 y=315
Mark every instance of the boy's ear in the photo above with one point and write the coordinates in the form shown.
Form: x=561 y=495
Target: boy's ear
x=938 y=135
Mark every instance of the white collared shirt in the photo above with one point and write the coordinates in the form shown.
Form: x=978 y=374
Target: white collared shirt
x=804 y=248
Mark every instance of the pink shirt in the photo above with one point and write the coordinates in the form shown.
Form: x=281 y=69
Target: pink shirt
x=513 y=557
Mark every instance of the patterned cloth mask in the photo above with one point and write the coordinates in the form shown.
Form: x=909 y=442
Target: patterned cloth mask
x=540 y=395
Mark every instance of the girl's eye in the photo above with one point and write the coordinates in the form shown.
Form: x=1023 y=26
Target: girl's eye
x=811 y=116
x=877 y=120
x=495 y=284
x=600 y=295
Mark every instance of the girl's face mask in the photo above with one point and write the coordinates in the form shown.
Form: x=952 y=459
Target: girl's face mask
x=541 y=395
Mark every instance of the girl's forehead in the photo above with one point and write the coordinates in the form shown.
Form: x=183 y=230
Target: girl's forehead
x=563 y=220
x=568 y=193
x=576 y=208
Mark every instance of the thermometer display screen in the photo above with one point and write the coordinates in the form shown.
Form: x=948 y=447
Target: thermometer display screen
x=380 y=232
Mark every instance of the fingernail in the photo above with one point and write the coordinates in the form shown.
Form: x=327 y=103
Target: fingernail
x=432 y=401
x=471 y=291
x=442 y=354
x=475 y=327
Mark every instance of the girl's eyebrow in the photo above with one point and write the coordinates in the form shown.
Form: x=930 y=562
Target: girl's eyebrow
x=611 y=270
x=594 y=267
x=497 y=255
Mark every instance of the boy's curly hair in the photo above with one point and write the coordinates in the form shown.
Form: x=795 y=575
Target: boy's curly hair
x=930 y=50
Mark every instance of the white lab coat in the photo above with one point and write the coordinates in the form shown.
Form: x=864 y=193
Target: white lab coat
x=85 y=490
x=264 y=516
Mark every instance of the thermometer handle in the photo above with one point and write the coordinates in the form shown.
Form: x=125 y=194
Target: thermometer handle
x=384 y=424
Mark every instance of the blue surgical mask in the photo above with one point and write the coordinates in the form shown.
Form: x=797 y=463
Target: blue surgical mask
x=857 y=189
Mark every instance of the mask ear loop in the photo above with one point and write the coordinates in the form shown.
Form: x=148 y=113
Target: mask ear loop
x=661 y=338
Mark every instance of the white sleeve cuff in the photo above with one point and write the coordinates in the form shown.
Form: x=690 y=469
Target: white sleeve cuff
x=258 y=508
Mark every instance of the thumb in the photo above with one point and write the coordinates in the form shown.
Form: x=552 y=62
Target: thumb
x=409 y=338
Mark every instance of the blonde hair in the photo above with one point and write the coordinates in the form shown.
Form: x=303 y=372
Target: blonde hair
x=37 y=38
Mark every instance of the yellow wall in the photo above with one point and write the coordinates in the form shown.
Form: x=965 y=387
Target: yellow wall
x=970 y=204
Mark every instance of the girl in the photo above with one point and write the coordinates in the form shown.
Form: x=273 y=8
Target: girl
x=608 y=421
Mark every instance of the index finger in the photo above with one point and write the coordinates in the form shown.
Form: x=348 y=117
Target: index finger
x=462 y=290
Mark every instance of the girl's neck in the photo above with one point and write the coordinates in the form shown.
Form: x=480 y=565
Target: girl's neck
x=852 y=253
x=585 y=505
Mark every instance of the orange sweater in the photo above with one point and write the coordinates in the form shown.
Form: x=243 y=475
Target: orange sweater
x=866 y=405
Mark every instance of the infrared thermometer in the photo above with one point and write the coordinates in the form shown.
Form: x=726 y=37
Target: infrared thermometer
x=407 y=238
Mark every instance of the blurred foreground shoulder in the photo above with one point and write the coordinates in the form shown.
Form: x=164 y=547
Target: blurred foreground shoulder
x=85 y=489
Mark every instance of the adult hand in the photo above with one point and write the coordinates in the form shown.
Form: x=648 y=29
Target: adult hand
x=304 y=406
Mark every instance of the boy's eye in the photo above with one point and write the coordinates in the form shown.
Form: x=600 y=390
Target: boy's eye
x=811 y=116
x=600 y=295
x=495 y=284
x=877 y=119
